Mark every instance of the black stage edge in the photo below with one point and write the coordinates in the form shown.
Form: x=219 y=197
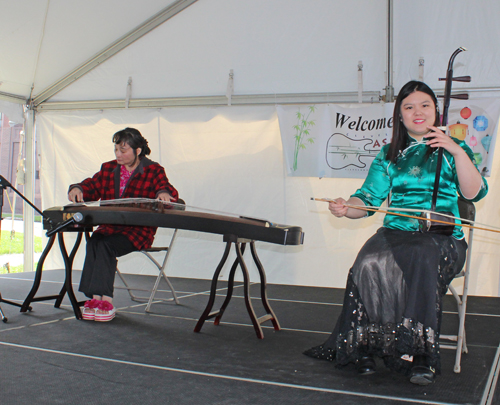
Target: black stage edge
x=49 y=357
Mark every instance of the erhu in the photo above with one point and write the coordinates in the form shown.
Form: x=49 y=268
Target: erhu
x=429 y=224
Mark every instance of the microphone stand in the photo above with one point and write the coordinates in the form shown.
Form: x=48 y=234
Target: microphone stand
x=4 y=183
x=3 y=187
x=55 y=228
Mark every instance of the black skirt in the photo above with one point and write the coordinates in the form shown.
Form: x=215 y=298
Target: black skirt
x=392 y=303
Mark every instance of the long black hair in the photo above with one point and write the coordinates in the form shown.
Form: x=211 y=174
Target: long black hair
x=134 y=139
x=400 y=137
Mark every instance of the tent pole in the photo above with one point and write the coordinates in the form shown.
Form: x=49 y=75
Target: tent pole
x=204 y=101
x=29 y=189
x=14 y=198
x=389 y=90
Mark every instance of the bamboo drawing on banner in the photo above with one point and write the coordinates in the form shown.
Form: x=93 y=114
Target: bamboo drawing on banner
x=302 y=133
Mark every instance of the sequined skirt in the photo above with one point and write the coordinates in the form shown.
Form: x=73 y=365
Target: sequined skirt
x=393 y=297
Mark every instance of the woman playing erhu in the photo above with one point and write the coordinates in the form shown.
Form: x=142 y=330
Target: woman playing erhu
x=393 y=300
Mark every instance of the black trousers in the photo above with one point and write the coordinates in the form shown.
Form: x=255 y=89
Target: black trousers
x=98 y=275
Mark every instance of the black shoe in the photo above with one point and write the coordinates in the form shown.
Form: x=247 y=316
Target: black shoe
x=422 y=375
x=366 y=365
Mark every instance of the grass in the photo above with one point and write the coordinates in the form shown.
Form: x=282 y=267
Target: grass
x=16 y=245
x=13 y=269
x=12 y=246
x=20 y=217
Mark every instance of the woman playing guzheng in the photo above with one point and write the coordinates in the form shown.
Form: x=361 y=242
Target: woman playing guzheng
x=130 y=175
x=393 y=300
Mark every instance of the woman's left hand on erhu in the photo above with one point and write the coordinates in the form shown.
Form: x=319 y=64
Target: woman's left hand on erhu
x=438 y=139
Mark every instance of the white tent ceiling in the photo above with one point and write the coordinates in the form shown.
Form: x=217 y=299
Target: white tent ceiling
x=273 y=46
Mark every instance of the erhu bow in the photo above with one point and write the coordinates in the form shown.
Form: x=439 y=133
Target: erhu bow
x=467 y=223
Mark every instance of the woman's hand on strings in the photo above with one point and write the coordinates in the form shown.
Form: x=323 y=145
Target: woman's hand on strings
x=75 y=195
x=165 y=197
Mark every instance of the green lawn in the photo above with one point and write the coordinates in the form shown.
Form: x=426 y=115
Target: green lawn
x=13 y=269
x=16 y=245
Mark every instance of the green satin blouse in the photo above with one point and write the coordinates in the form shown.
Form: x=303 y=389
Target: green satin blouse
x=411 y=182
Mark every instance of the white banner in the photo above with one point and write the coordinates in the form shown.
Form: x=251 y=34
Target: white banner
x=476 y=121
x=341 y=141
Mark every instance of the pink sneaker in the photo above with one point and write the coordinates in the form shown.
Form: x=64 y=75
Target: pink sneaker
x=89 y=309
x=108 y=312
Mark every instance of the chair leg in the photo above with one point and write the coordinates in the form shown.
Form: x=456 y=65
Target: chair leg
x=129 y=289
x=460 y=341
x=161 y=269
x=171 y=288
x=467 y=211
x=460 y=346
x=136 y=298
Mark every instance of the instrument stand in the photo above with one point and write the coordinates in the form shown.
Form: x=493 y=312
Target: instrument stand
x=67 y=287
x=240 y=245
x=4 y=319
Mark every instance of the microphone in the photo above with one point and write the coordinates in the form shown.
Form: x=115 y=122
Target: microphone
x=77 y=217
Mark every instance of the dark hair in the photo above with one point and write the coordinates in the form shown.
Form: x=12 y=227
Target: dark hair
x=134 y=139
x=400 y=137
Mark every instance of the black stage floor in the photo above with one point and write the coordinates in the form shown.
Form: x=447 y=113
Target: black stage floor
x=48 y=357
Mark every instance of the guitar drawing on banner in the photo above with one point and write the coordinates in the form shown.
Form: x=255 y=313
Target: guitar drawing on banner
x=343 y=151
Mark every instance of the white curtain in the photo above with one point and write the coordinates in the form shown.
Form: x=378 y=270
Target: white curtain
x=230 y=159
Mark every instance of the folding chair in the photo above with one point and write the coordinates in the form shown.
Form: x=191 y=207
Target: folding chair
x=161 y=269
x=467 y=211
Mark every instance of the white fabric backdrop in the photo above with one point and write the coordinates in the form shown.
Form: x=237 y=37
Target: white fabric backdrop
x=230 y=159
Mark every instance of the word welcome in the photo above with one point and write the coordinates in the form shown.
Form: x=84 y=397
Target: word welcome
x=363 y=125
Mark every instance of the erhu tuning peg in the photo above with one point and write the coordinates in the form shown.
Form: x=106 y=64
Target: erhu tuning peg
x=464 y=79
x=461 y=96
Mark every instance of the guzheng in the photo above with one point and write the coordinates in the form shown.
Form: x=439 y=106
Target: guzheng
x=236 y=230
x=157 y=214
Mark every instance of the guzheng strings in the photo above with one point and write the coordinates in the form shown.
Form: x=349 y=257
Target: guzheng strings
x=160 y=206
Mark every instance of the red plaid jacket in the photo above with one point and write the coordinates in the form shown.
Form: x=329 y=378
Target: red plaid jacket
x=147 y=181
